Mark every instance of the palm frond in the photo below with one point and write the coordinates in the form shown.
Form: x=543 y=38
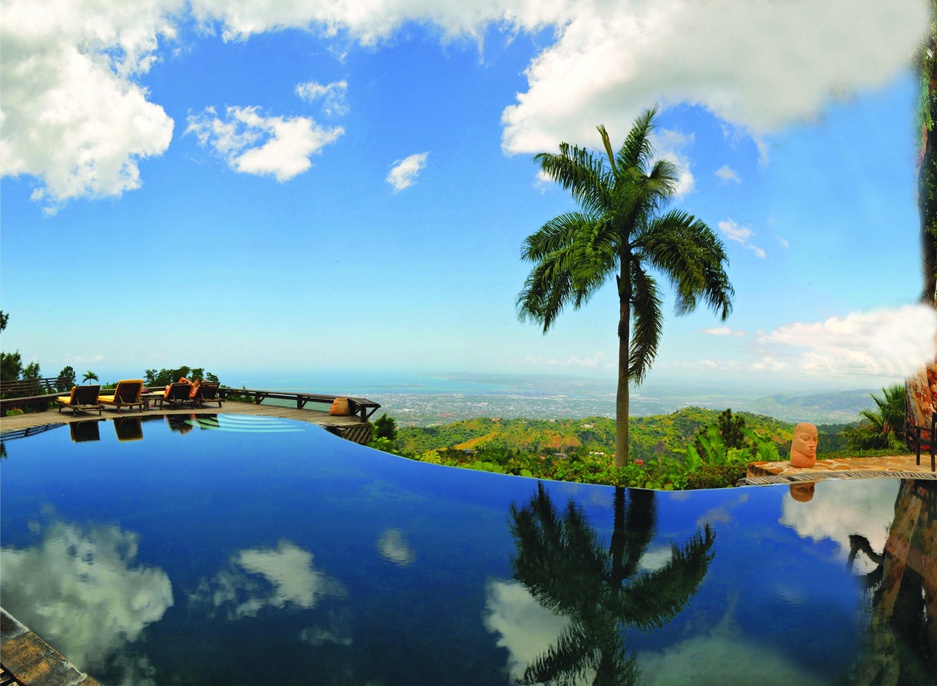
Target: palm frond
x=648 y=323
x=573 y=256
x=692 y=257
x=580 y=172
x=636 y=151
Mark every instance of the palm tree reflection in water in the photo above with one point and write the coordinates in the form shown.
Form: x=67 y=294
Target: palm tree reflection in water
x=562 y=564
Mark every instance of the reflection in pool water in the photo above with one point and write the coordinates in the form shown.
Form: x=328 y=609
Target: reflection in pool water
x=222 y=549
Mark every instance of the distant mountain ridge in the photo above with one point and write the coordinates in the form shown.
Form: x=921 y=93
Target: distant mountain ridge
x=829 y=408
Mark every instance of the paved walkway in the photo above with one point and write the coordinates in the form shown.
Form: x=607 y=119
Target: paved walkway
x=890 y=466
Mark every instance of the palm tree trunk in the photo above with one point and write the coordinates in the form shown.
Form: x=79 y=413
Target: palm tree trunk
x=622 y=399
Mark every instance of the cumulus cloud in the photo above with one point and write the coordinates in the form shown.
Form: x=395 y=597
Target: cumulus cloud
x=252 y=143
x=257 y=578
x=76 y=118
x=671 y=145
x=369 y=24
x=724 y=331
x=726 y=173
x=73 y=116
x=887 y=342
x=613 y=60
x=82 y=589
x=403 y=173
x=332 y=96
x=740 y=234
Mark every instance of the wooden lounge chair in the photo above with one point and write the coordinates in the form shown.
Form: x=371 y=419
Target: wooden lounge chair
x=81 y=399
x=926 y=437
x=208 y=393
x=179 y=394
x=127 y=394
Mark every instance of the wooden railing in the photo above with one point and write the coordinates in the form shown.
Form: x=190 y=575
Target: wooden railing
x=24 y=388
x=362 y=407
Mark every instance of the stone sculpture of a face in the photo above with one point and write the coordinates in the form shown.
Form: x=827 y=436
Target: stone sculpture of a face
x=804 y=445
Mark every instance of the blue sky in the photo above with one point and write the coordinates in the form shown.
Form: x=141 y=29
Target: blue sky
x=308 y=186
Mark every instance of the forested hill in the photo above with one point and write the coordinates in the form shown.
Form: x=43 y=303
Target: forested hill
x=654 y=436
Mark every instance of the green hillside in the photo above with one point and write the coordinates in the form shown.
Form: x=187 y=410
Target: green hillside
x=651 y=437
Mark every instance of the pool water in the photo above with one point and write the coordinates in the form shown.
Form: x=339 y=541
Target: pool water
x=229 y=549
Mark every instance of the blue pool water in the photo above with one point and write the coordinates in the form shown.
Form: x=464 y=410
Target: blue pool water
x=240 y=549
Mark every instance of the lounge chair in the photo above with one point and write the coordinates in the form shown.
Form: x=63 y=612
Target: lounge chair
x=81 y=399
x=178 y=394
x=208 y=393
x=926 y=437
x=127 y=394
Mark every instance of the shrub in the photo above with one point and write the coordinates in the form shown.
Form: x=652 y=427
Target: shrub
x=716 y=476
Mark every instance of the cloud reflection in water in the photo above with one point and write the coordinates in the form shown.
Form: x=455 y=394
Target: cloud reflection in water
x=256 y=578
x=79 y=589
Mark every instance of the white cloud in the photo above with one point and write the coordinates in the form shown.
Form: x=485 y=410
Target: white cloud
x=256 y=578
x=887 y=342
x=73 y=116
x=371 y=22
x=252 y=143
x=76 y=118
x=724 y=331
x=332 y=96
x=670 y=145
x=740 y=234
x=612 y=60
x=404 y=172
x=598 y=360
x=83 y=590
x=726 y=173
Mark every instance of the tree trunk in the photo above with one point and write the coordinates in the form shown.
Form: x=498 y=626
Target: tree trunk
x=622 y=399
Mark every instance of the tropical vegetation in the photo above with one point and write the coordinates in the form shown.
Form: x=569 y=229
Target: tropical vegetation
x=882 y=427
x=689 y=448
x=622 y=229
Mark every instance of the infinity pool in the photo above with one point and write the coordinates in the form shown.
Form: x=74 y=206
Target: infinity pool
x=231 y=549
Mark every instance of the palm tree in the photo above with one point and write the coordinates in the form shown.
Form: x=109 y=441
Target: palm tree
x=622 y=229
x=89 y=376
x=884 y=426
x=561 y=562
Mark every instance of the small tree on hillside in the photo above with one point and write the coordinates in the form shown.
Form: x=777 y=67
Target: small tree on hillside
x=385 y=427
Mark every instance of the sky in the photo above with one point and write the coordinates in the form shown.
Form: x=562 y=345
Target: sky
x=257 y=187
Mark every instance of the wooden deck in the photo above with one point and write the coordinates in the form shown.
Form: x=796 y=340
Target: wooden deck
x=356 y=428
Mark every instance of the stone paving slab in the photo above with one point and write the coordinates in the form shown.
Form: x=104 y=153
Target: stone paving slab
x=894 y=466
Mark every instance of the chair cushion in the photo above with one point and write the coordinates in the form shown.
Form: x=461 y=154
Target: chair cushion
x=194 y=391
x=340 y=407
